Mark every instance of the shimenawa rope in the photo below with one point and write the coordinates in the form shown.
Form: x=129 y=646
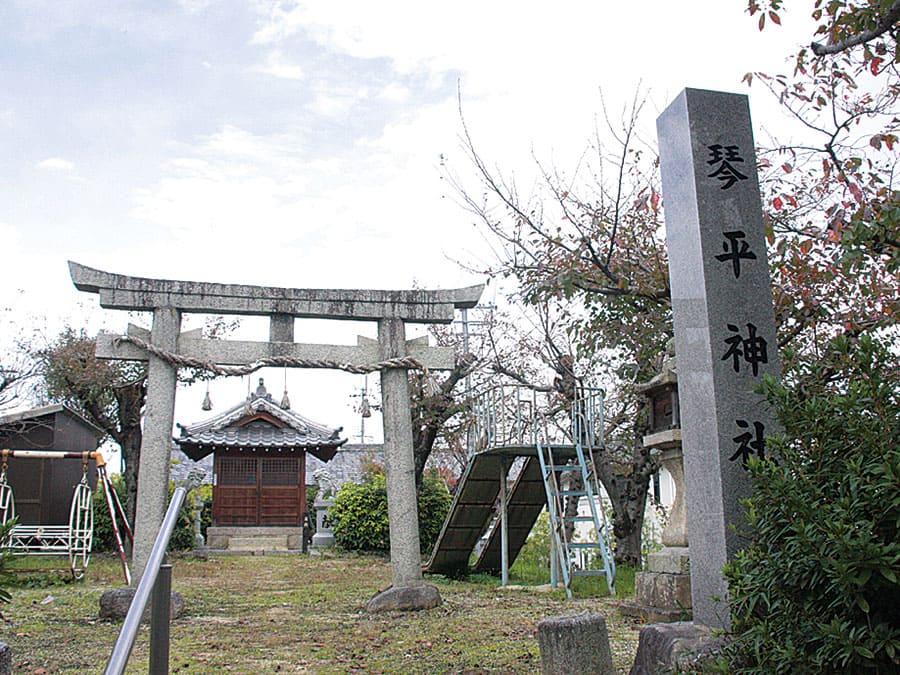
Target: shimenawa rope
x=181 y=361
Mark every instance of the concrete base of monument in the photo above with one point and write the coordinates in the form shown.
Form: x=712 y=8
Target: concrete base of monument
x=404 y=599
x=663 y=592
x=114 y=604
x=674 y=647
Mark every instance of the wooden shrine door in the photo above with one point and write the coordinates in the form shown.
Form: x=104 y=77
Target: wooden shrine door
x=259 y=489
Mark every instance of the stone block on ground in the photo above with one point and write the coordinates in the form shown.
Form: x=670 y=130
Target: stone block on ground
x=571 y=645
x=670 y=560
x=404 y=599
x=651 y=614
x=323 y=539
x=114 y=604
x=5 y=659
x=673 y=647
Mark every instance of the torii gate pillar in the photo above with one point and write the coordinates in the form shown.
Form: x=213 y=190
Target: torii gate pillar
x=156 y=441
x=408 y=590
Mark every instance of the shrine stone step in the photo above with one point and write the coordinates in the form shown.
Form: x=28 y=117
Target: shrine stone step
x=258 y=543
x=219 y=538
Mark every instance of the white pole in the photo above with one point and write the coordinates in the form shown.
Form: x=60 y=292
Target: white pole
x=554 y=560
x=504 y=533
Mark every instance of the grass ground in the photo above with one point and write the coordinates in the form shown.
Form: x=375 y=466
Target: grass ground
x=297 y=614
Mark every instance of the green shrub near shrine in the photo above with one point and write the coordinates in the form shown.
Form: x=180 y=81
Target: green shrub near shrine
x=183 y=534
x=359 y=516
x=817 y=588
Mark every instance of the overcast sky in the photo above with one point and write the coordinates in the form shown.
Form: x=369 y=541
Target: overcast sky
x=299 y=143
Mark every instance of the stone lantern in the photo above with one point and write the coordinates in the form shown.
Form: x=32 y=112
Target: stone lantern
x=324 y=537
x=663 y=591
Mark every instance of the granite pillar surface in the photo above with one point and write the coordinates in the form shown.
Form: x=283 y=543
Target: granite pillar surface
x=406 y=559
x=156 y=444
x=724 y=322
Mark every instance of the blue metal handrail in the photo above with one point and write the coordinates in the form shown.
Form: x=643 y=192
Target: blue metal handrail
x=156 y=582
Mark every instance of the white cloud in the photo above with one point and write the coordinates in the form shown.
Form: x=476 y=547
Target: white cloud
x=395 y=92
x=55 y=164
x=328 y=105
x=194 y=6
x=277 y=66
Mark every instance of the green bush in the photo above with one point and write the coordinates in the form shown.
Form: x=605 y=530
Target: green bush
x=183 y=535
x=359 y=516
x=816 y=589
x=532 y=565
x=5 y=557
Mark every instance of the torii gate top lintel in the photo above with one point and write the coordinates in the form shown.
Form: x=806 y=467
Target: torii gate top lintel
x=118 y=291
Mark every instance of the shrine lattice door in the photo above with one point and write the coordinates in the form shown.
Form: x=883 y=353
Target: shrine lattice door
x=259 y=490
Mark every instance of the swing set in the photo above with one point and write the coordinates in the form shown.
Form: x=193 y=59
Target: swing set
x=75 y=539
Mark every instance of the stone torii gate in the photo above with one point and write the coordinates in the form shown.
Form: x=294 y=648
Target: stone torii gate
x=168 y=300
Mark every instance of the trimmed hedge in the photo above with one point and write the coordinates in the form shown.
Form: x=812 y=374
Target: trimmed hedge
x=359 y=517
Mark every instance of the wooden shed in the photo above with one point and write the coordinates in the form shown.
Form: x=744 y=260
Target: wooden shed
x=44 y=487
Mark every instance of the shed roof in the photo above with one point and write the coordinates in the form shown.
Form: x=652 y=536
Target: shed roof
x=43 y=411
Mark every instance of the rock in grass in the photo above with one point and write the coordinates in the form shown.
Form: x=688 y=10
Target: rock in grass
x=404 y=599
x=114 y=604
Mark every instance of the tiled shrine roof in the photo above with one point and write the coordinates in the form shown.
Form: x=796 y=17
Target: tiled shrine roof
x=259 y=423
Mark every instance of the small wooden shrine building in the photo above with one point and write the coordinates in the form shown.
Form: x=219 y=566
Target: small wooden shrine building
x=259 y=468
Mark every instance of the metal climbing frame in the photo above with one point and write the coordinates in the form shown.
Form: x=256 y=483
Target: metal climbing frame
x=576 y=558
x=539 y=442
x=504 y=416
x=75 y=539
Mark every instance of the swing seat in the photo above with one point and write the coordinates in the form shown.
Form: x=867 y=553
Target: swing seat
x=39 y=539
x=73 y=540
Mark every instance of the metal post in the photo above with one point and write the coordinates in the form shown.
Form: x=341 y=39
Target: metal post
x=127 y=634
x=160 y=611
x=504 y=532
x=554 y=560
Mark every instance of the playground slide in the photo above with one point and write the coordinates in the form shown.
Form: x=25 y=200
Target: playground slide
x=526 y=500
x=470 y=513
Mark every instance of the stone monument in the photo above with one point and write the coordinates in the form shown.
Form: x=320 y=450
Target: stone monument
x=724 y=323
x=166 y=349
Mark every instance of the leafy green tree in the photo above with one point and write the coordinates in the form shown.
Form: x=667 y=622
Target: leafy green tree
x=830 y=194
x=586 y=253
x=110 y=394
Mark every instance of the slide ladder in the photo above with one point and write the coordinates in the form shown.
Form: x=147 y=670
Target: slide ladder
x=571 y=562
